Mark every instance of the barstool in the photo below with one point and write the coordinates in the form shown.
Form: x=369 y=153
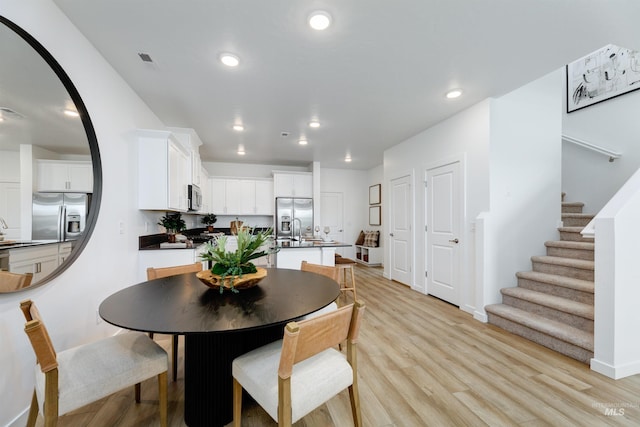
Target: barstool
x=347 y=264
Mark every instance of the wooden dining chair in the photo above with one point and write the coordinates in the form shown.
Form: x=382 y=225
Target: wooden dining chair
x=73 y=378
x=14 y=281
x=332 y=273
x=158 y=273
x=292 y=377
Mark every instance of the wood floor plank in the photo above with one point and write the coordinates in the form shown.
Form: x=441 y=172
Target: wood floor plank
x=424 y=362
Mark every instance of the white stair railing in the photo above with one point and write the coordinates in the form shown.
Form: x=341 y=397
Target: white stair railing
x=612 y=154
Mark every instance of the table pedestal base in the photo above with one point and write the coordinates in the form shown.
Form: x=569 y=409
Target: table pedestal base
x=208 y=395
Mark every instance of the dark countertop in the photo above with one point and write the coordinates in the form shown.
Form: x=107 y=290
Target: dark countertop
x=293 y=244
x=26 y=244
x=197 y=235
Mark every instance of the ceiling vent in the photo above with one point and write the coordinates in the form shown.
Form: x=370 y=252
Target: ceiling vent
x=285 y=134
x=8 y=113
x=145 y=57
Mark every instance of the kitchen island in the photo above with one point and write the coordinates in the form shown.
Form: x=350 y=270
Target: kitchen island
x=292 y=252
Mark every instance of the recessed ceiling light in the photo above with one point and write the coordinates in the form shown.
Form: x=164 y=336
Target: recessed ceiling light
x=319 y=20
x=229 y=59
x=71 y=113
x=303 y=142
x=348 y=158
x=241 y=151
x=454 y=93
x=238 y=127
x=314 y=124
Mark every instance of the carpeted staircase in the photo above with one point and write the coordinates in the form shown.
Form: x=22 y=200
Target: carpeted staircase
x=553 y=304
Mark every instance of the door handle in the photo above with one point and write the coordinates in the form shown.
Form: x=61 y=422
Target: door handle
x=391 y=234
x=454 y=241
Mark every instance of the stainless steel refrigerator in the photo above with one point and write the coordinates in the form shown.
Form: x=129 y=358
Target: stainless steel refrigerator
x=294 y=216
x=59 y=216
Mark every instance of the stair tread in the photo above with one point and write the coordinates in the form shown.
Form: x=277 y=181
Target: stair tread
x=539 y=323
x=570 y=244
x=571 y=229
x=577 y=215
x=552 y=301
x=554 y=279
x=573 y=204
x=566 y=262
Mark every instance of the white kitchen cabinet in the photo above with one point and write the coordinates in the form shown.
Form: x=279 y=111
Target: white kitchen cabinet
x=293 y=184
x=218 y=195
x=64 y=176
x=64 y=250
x=39 y=260
x=164 y=172
x=265 y=203
x=206 y=192
x=241 y=196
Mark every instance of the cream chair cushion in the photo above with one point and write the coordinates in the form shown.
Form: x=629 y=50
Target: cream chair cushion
x=92 y=371
x=331 y=307
x=313 y=382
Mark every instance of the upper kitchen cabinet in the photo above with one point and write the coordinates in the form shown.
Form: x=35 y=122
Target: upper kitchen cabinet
x=241 y=196
x=190 y=140
x=164 y=171
x=64 y=176
x=293 y=184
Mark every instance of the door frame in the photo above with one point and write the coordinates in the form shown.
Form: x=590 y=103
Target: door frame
x=412 y=216
x=463 y=247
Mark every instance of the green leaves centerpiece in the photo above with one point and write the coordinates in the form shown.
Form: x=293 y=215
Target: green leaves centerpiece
x=234 y=264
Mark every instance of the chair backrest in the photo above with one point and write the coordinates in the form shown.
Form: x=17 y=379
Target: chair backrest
x=158 y=273
x=325 y=270
x=310 y=337
x=38 y=336
x=14 y=281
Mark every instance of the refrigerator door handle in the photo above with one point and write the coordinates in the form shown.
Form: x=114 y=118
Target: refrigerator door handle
x=62 y=214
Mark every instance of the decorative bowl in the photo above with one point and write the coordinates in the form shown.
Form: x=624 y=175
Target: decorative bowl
x=245 y=282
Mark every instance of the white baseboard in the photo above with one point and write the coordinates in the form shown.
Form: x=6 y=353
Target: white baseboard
x=615 y=372
x=481 y=316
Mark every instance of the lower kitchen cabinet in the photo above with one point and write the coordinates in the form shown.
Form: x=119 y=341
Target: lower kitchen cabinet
x=39 y=260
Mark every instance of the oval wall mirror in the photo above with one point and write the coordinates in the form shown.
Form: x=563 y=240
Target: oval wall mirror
x=50 y=169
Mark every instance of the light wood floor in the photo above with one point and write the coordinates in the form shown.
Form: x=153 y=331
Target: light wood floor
x=423 y=362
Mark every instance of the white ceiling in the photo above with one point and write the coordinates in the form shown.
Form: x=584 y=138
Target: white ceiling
x=376 y=77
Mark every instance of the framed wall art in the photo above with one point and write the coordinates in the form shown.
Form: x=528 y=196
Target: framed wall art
x=606 y=73
x=374 y=215
x=374 y=194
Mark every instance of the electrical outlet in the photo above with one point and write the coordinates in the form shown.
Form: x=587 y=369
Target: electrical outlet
x=121 y=227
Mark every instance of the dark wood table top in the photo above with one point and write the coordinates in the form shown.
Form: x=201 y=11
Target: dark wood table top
x=183 y=305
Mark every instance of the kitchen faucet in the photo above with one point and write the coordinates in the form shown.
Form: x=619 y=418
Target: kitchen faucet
x=299 y=228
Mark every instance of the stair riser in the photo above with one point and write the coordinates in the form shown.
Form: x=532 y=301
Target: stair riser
x=570 y=350
x=562 y=270
x=570 y=253
x=576 y=222
x=550 y=313
x=573 y=237
x=559 y=291
x=572 y=209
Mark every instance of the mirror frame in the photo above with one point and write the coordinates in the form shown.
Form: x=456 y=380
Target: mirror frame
x=96 y=197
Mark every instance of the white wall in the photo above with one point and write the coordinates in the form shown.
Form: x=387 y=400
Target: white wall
x=108 y=262
x=353 y=184
x=466 y=136
x=617 y=274
x=525 y=180
x=587 y=176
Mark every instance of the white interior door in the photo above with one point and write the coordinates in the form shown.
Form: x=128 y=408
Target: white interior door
x=400 y=241
x=443 y=232
x=331 y=215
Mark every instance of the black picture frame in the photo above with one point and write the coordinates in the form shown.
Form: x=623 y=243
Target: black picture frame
x=601 y=75
x=375 y=217
x=374 y=194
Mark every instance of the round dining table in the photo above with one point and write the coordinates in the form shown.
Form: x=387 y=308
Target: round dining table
x=217 y=327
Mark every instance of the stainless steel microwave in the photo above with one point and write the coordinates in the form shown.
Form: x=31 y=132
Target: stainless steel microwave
x=195 y=198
